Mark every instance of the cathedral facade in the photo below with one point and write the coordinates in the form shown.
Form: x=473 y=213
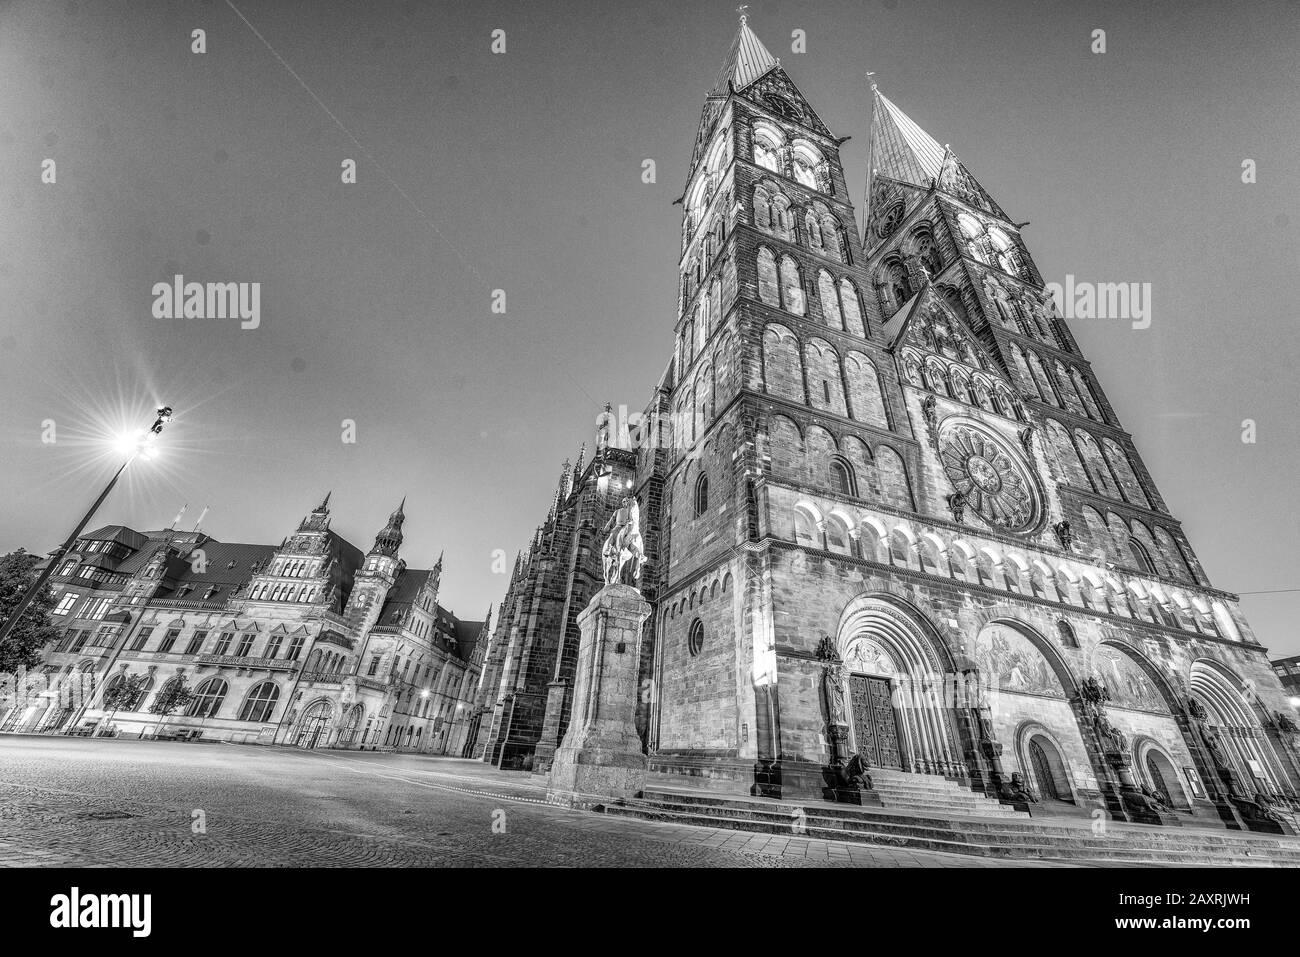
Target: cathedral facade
x=311 y=643
x=895 y=515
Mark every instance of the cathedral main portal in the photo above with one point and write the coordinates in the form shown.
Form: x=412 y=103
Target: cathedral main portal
x=875 y=726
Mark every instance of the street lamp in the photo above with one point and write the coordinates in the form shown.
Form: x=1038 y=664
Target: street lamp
x=141 y=445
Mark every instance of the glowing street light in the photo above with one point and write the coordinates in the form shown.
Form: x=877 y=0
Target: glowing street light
x=139 y=445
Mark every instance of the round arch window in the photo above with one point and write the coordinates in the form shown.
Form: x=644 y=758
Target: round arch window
x=695 y=642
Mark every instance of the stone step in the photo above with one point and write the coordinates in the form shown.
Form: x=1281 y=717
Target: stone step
x=957 y=839
x=994 y=830
x=1007 y=835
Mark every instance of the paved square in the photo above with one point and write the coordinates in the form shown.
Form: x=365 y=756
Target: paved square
x=82 y=802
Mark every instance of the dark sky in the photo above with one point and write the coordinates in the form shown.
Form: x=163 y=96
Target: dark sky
x=522 y=172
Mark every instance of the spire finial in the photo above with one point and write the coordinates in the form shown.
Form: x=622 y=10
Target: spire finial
x=874 y=88
x=324 y=506
x=744 y=17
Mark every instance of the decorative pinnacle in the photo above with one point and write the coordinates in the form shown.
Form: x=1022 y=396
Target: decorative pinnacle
x=744 y=17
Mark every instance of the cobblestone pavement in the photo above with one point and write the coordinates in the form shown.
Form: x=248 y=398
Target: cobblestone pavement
x=83 y=802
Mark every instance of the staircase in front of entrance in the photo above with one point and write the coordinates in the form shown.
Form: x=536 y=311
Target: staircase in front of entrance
x=942 y=827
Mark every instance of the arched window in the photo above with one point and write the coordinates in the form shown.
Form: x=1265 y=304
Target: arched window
x=852 y=308
x=830 y=300
x=695 y=640
x=701 y=495
x=791 y=287
x=805 y=529
x=842 y=477
x=1066 y=631
x=899 y=284
x=767 y=279
x=923 y=244
x=260 y=702
x=1141 y=559
x=765 y=153
x=891 y=220
x=207 y=699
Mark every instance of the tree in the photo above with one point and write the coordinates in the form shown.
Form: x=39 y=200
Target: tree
x=35 y=629
x=173 y=696
x=124 y=694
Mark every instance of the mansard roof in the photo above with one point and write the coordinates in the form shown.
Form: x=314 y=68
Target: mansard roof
x=116 y=533
x=747 y=60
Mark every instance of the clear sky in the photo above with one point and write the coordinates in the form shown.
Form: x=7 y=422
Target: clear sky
x=522 y=172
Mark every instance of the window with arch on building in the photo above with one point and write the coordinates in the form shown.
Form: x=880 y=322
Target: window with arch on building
x=1141 y=558
x=1067 y=635
x=701 y=495
x=695 y=638
x=842 y=477
x=207 y=699
x=260 y=702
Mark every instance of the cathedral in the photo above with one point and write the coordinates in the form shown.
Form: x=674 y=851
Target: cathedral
x=890 y=515
x=310 y=643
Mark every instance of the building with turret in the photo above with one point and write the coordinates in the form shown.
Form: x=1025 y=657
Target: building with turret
x=311 y=643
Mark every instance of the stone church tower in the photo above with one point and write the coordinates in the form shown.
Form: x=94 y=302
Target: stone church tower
x=898 y=498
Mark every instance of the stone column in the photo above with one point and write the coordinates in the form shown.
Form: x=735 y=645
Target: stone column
x=601 y=758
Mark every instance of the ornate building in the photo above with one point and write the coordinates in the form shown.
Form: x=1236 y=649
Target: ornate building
x=311 y=642
x=897 y=516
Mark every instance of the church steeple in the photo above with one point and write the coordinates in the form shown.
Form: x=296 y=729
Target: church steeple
x=747 y=60
x=389 y=539
x=900 y=149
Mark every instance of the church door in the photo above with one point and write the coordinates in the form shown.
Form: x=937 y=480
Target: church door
x=874 y=724
x=1158 y=781
x=1043 y=775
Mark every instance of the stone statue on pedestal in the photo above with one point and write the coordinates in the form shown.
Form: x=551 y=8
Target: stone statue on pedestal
x=623 y=544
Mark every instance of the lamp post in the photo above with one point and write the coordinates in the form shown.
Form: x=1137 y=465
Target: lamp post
x=142 y=447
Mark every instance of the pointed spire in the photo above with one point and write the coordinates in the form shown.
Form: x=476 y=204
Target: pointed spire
x=747 y=60
x=389 y=539
x=438 y=563
x=324 y=506
x=899 y=147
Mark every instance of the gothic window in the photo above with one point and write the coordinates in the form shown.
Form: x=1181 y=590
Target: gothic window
x=923 y=246
x=891 y=220
x=791 y=287
x=782 y=364
x=952 y=296
x=894 y=486
x=1095 y=464
x=766 y=154
x=1007 y=252
x=260 y=702
x=900 y=285
x=830 y=300
x=781 y=219
x=805 y=529
x=851 y=308
x=804 y=174
x=767 y=278
x=842 y=477
x=808 y=165
x=1066 y=631
x=695 y=640
x=837 y=536
x=1066 y=385
x=701 y=495
x=822 y=364
x=813 y=230
x=207 y=699
x=1085 y=394
x=1141 y=558
x=1129 y=487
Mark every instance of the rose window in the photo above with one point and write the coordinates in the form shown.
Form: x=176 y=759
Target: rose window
x=990 y=477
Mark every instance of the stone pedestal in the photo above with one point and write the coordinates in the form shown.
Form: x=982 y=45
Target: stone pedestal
x=600 y=758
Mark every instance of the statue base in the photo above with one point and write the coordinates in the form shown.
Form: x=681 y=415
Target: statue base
x=600 y=758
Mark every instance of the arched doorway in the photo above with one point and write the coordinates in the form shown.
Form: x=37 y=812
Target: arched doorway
x=897 y=715
x=1047 y=774
x=313 y=726
x=1159 y=773
x=348 y=728
x=1232 y=731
